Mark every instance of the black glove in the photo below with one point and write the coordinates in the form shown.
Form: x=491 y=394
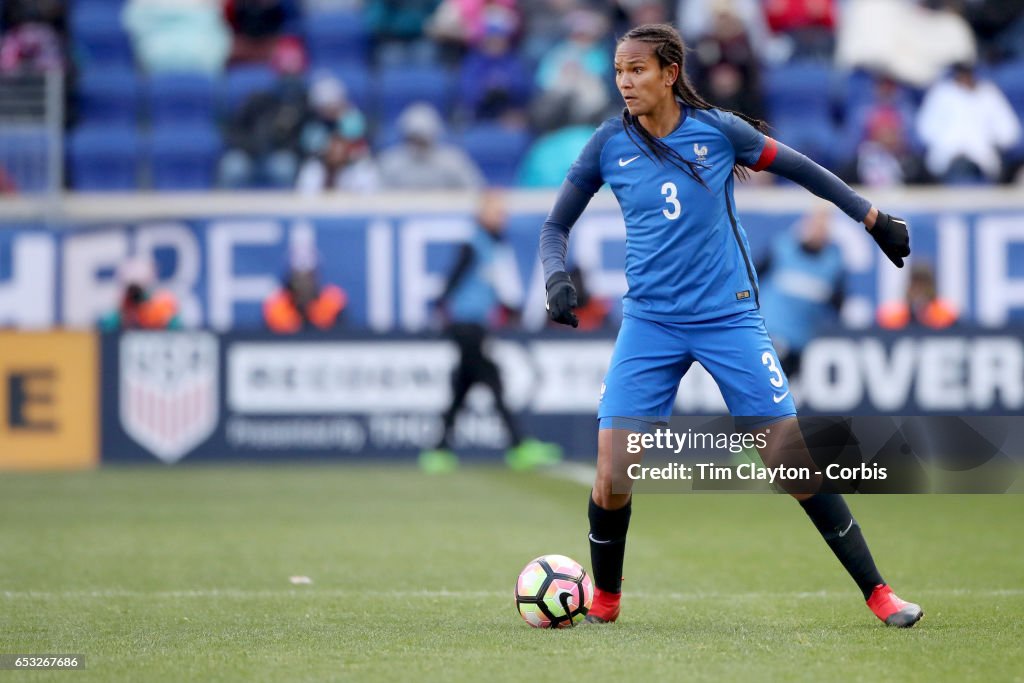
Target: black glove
x=562 y=299
x=890 y=232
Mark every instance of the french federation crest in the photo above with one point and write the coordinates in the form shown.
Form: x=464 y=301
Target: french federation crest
x=169 y=401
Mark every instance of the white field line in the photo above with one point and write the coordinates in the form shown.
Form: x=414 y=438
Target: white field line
x=576 y=472
x=239 y=594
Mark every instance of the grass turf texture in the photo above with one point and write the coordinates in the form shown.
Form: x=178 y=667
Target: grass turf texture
x=182 y=574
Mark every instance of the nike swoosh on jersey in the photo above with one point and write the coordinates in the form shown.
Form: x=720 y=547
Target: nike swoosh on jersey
x=779 y=398
x=627 y=162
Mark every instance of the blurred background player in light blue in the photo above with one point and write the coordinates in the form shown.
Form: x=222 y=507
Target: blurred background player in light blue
x=801 y=287
x=477 y=298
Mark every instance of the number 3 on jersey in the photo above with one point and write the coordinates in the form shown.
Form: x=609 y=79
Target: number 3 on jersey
x=669 y=191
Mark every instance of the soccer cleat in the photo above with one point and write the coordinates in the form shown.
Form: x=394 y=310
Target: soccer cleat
x=893 y=611
x=604 y=609
x=438 y=461
x=532 y=453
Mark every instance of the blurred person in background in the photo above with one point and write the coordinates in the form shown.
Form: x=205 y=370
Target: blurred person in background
x=261 y=27
x=999 y=27
x=178 y=35
x=421 y=161
x=459 y=26
x=303 y=302
x=809 y=24
x=696 y=18
x=476 y=297
x=921 y=307
x=142 y=306
x=263 y=138
x=966 y=124
x=549 y=157
x=398 y=28
x=572 y=79
x=884 y=157
x=725 y=66
x=801 y=287
x=494 y=81
x=337 y=155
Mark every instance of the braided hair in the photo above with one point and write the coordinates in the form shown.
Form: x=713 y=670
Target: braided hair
x=669 y=49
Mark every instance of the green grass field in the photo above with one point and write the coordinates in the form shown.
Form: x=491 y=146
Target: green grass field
x=183 y=574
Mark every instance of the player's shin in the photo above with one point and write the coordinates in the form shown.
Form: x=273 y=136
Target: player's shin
x=607 y=551
x=835 y=523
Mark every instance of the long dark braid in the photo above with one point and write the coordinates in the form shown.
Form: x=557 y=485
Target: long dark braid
x=669 y=49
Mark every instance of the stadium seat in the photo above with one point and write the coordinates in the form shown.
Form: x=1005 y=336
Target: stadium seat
x=497 y=150
x=797 y=89
x=243 y=81
x=181 y=98
x=104 y=158
x=24 y=156
x=184 y=157
x=337 y=38
x=108 y=95
x=398 y=87
x=97 y=35
x=1010 y=79
x=812 y=135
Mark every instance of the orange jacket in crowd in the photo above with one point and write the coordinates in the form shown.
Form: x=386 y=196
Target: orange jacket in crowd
x=936 y=314
x=157 y=311
x=284 y=317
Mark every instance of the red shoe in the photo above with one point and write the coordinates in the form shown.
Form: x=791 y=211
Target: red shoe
x=604 y=609
x=893 y=611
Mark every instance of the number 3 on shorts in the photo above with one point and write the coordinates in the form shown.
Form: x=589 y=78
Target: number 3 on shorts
x=669 y=191
x=768 y=359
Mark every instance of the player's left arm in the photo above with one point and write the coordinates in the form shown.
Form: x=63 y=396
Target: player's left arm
x=759 y=152
x=889 y=232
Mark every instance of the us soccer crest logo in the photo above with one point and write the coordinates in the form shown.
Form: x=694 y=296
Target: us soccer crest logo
x=168 y=390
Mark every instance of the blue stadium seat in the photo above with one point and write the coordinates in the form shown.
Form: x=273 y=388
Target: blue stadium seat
x=104 y=158
x=398 y=87
x=337 y=38
x=1010 y=79
x=180 y=98
x=812 y=135
x=97 y=35
x=497 y=150
x=184 y=157
x=108 y=96
x=797 y=89
x=24 y=156
x=246 y=80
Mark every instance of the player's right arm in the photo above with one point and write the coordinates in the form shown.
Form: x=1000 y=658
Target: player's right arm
x=583 y=180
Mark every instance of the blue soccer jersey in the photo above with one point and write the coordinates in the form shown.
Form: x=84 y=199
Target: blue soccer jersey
x=687 y=257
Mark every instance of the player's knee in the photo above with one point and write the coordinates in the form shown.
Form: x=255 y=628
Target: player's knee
x=604 y=495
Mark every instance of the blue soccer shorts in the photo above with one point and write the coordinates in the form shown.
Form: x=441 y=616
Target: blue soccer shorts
x=650 y=359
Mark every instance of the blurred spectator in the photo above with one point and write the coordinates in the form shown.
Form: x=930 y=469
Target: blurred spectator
x=999 y=27
x=31 y=49
x=334 y=143
x=573 y=78
x=911 y=43
x=7 y=184
x=725 y=66
x=263 y=139
x=463 y=24
x=543 y=27
x=494 y=80
x=421 y=161
x=178 y=35
x=801 y=286
x=398 y=28
x=548 y=159
x=809 y=24
x=629 y=13
x=52 y=13
x=965 y=125
x=477 y=288
x=697 y=17
x=884 y=157
x=260 y=28
x=142 y=307
x=922 y=305
x=303 y=303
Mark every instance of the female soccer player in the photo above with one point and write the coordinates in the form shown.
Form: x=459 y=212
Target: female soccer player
x=692 y=292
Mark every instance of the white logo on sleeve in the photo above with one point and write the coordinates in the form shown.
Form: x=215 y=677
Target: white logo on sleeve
x=627 y=162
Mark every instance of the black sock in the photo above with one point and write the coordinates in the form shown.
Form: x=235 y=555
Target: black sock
x=840 y=530
x=608 y=544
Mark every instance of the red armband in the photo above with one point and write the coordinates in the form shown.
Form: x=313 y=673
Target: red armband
x=771 y=148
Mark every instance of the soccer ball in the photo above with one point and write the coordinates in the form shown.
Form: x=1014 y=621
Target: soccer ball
x=553 y=591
